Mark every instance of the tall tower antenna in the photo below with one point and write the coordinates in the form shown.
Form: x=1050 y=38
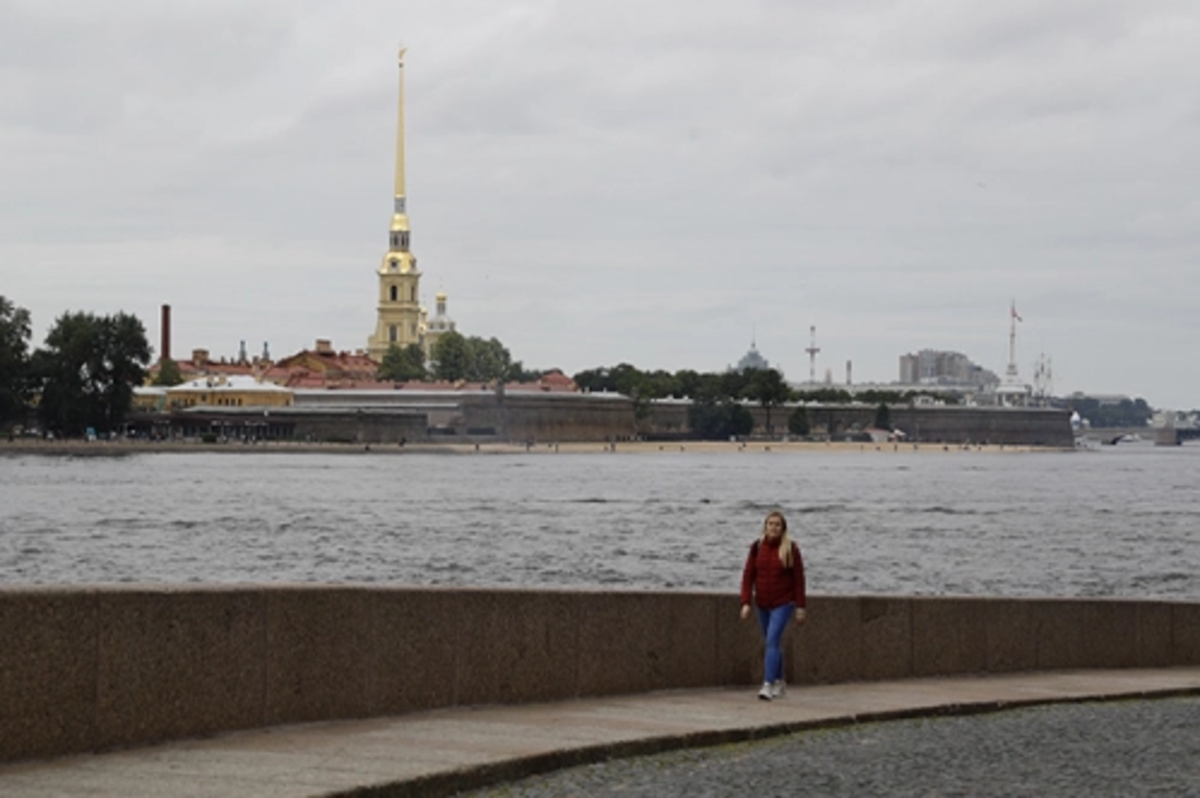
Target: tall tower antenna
x=1010 y=374
x=812 y=350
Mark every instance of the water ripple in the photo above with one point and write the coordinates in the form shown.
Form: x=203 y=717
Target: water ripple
x=1100 y=524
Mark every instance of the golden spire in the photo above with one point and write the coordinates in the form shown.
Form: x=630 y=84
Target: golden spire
x=401 y=320
x=400 y=209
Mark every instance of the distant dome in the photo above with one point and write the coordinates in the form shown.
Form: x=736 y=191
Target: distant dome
x=441 y=322
x=753 y=360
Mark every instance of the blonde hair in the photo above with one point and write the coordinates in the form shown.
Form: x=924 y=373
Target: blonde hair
x=785 y=542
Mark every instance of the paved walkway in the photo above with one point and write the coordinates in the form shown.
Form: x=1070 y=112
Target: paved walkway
x=439 y=753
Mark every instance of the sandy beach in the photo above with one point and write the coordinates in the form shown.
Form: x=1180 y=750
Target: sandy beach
x=80 y=448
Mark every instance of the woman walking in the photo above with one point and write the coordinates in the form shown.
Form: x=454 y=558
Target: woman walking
x=773 y=579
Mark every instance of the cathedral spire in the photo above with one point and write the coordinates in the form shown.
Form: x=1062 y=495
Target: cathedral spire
x=400 y=318
x=399 y=229
x=400 y=142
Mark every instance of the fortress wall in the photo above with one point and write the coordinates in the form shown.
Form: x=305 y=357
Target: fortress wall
x=1031 y=426
x=549 y=417
x=374 y=427
x=87 y=669
x=926 y=424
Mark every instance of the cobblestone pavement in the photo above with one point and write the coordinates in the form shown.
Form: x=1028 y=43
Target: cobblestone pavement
x=1122 y=748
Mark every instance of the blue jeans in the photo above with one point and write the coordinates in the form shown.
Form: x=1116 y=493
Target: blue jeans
x=773 y=622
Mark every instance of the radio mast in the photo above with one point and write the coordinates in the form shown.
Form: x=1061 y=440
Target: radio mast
x=812 y=350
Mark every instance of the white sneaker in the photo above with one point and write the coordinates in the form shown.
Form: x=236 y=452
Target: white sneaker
x=765 y=693
x=778 y=688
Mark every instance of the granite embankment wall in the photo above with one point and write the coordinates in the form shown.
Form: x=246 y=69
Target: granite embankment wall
x=88 y=669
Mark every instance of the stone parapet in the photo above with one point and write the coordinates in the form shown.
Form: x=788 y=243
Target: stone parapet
x=97 y=668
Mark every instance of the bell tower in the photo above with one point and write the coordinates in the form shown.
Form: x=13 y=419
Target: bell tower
x=400 y=317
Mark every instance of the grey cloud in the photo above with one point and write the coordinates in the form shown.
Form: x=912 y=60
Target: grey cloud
x=893 y=172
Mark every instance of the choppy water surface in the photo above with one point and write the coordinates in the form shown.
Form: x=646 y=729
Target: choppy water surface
x=1120 y=521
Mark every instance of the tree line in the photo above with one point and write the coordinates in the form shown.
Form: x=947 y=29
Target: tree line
x=1125 y=413
x=84 y=375
x=717 y=409
x=81 y=378
x=454 y=357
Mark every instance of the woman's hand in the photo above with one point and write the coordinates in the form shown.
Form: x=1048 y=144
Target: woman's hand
x=801 y=615
x=745 y=611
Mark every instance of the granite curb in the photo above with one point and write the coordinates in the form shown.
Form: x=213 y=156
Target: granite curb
x=452 y=783
x=444 y=752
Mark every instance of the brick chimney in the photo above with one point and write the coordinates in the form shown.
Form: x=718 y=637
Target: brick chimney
x=164 y=347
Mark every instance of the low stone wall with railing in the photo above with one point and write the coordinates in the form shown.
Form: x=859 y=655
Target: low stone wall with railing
x=90 y=669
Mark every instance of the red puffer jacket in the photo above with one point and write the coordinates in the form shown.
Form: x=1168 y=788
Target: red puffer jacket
x=765 y=578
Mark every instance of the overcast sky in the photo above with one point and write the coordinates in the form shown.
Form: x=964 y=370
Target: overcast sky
x=658 y=183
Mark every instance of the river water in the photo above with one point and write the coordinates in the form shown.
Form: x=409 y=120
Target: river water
x=1119 y=521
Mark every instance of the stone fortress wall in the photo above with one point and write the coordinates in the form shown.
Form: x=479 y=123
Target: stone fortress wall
x=518 y=417
x=97 y=668
x=927 y=424
x=490 y=416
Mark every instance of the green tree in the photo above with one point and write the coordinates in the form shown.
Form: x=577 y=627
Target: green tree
x=657 y=384
x=622 y=378
x=168 y=374
x=402 y=364
x=687 y=383
x=1124 y=413
x=641 y=386
x=883 y=417
x=827 y=395
x=710 y=386
x=798 y=423
x=518 y=373
x=767 y=387
x=712 y=419
x=489 y=360
x=734 y=383
x=14 y=361
x=451 y=357
x=593 y=380
x=875 y=396
x=88 y=369
x=625 y=378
